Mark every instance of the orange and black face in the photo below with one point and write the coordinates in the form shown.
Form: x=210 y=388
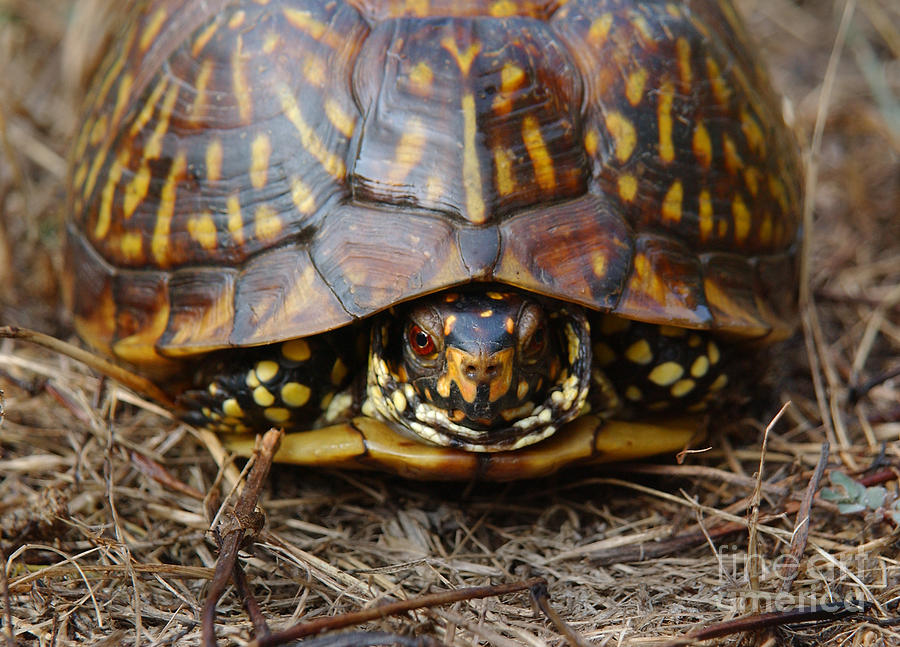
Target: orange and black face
x=480 y=370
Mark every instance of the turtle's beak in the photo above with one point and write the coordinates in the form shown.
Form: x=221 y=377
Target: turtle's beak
x=483 y=378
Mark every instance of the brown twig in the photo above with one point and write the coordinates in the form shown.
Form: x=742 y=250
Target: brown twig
x=244 y=518
x=391 y=609
x=105 y=367
x=161 y=475
x=801 y=523
x=7 y=606
x=828 y=612
x=541 y=599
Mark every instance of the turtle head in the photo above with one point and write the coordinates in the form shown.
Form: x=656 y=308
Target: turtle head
x=480 y=370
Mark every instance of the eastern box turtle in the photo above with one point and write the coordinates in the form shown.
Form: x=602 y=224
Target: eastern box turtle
x=523 y=217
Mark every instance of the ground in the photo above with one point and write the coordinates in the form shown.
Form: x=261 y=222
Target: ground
x=99 y=550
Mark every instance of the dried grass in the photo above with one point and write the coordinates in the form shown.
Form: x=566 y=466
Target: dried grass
x=98 y=552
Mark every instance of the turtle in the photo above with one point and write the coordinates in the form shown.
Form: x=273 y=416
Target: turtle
x=454 y=239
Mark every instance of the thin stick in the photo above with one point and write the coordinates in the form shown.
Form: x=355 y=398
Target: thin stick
x=391 y=609
x=244 y=518
x=801 y=523
x=137 y=383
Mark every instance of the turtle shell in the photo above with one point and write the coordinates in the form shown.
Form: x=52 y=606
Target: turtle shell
x=249 y=172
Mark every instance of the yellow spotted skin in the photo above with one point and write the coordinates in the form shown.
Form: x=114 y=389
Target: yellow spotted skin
x=260 y=172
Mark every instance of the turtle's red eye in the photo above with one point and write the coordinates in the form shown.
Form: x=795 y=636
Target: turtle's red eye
x=420 y=341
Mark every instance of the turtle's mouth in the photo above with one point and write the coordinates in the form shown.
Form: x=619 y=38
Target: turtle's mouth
x=477 y=425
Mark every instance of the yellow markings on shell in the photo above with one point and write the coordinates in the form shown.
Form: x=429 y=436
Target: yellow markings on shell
x=251 y=380
x=642 y=28
x=239 y=84
x=623 y=133
x=506 y=181
x=99 y=129
x=753 y=133
x=266 y=223
x=421 y=77
x=752 y=178
x=314 y=70
x=682 y=387
x=122 y=96
x=776 y=188
x=136 y=191
x=409 y=150
x=627 y=185
x=448 y=326
x=159 y=245
x=309 y=139
x=702 y=145
x=271 y=42
x=237 y=19
x=296 y=350
x=153 y=148
x=598 y=264
x=603 y=354
x=503 y=9
x=683 y=56
x=302 y=196
x=319 y=31
x=339 y=117
x=295 y=394
x=235 y=219
x=645 y=280
x=260 y=151
x=132 y=245
x=719 y=383
x=705 y=215
x=463 y=59
x=666 y=373
x=700 y=367
x=720 y=90
x=712 y=350
x=733 y=161
x=511 y=78
x=664 y=121
x=202 y=229
x=398 y=400
x=634 y=86
x=201 y=84
x=338 y=372
x=537 y=151
x=203 y=39
x=509 y=325
x=741 y=216
x=232 y=409
x=639 y=352
x=266 y=370
x=610 y=324
x=671 y=206
x=634 y=394
x=475 y=208
x=214 y=155
x=277 y=414
x=599 y=30
x=591 y=139
x=434 y=188
x=263 y=397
